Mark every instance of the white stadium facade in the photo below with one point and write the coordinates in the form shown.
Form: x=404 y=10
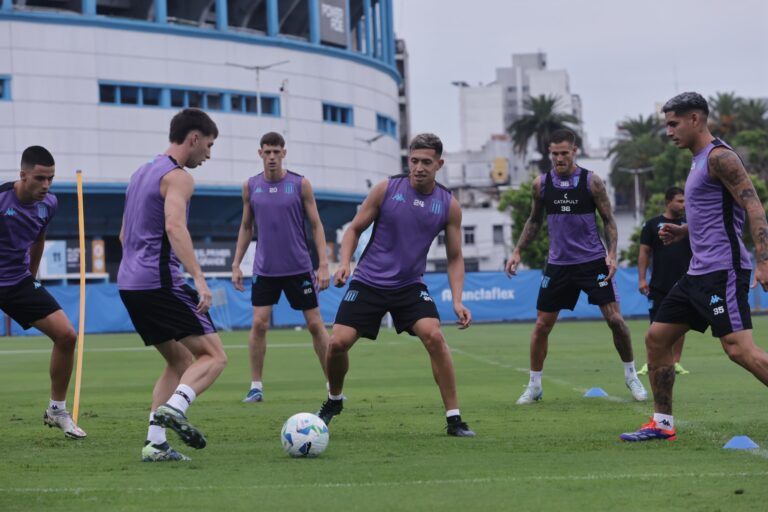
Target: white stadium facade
x=97 y=82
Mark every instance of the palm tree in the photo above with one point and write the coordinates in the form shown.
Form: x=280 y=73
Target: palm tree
x=643 y=140
x=541 y=120
x=724 y=109
x=752 y=115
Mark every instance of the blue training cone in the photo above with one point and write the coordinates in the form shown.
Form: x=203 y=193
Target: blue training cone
x=595 y=393
x=741 y=443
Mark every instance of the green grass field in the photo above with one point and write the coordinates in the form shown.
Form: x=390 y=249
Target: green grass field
x=388 y=450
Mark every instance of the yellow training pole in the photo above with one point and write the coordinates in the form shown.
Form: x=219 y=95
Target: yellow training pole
x=81 y=325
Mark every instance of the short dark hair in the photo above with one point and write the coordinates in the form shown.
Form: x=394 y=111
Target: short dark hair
x=36 y=155
x=563 y=135
x=427 y=141
x=191 y=119
x=685 y=102
x=672 y=192
x=272 y=139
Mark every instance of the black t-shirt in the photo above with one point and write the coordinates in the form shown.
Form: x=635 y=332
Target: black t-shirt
x=669 y=262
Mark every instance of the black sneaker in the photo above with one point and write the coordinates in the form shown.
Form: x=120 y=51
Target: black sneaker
x=459 y=429
x=329 y=409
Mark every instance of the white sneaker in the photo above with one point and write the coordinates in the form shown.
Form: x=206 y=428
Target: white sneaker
x=64 y=421
x=637 y=389
x=530 y=395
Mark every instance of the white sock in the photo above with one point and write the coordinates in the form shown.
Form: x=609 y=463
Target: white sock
x=629 y=370
x=336 y=397
x=535 y=379
x=55 y=405
x=182 y=398
x=156 y=433
x=452 y=412
x=665 y=421
x=256 y=384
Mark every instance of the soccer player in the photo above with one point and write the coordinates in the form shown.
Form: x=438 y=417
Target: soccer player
x=26 y=209
x=167 y=313
x=409 y=211
x=670 y=262
x=577 y=260
x=714 y=292
x=277 y=201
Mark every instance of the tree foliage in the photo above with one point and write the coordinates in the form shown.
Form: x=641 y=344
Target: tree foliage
x=519 y=203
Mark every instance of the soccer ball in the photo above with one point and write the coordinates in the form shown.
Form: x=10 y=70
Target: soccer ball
x=304 y=435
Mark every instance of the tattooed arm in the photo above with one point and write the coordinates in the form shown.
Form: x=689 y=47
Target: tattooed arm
x=611 y=233
x=726 y=166
x=531 y=228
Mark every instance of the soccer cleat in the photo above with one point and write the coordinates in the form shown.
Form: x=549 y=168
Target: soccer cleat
x=643 y=370
x=637 y=389
x=459 y=429
x=649 y=432
x=254 y=395
x=530 y=395
x=329 y=409
x=161 y=453
x=170 y=417
x=63 y=420
x=680 y=370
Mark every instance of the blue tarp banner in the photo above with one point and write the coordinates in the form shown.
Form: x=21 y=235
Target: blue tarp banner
x=491 y=296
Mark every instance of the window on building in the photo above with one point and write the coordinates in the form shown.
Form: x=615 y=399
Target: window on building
x=108 y=93
x=63 y=5
x=386 y=125
x=441 y=238
x=150 y=96
x=5 y=88
x=338 y=114
x=137 y=10
x=247 y=15
x=498 y=234
x=174 y=97
x=270 y=105
x=469 y=235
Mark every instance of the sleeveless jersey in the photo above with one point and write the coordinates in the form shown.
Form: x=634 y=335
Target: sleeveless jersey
x=570 y=207
x=20 y=225
x=148 y=261
x=408 y=222
x=715 y=221
x=278 y=213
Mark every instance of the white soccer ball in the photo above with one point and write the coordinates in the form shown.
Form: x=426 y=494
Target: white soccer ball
x=304 y=435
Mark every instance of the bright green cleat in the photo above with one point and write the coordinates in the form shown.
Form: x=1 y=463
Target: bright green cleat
x=161 y=453
x=680 y=370
x=643 y=370
x=170 y=417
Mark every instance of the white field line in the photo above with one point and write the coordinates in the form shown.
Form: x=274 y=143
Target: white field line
x=353 y=485
x=557 y=381
x=14 y=352
x=692 y=425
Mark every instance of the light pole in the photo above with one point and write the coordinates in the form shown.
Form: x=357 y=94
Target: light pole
x=636 y=173
x=258 y=69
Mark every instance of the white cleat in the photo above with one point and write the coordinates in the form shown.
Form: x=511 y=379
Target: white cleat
x=637 y=389
x=64 y=421
x=530 y=395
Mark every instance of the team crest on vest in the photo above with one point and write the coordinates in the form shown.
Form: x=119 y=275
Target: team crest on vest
x=436 y=207
x=289 y=188
x=42 y=211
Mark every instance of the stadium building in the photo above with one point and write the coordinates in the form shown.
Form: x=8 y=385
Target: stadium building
x=97 y=82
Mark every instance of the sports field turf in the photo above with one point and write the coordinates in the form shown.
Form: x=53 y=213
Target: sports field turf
x=388 y=449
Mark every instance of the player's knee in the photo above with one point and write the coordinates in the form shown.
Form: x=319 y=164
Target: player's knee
x=544 y=326
x=434 y=341
x=67 y=339
x=336 y=347
x=316 y=327
x=736 y=353
x=259 y=326
x=616 y=323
